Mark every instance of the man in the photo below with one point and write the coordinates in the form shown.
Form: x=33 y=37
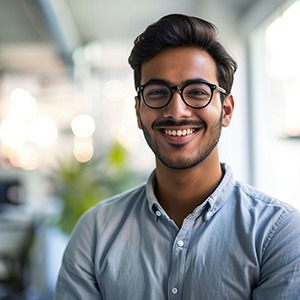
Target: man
x=191 y=232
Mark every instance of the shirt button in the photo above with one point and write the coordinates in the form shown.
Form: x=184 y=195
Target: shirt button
x=174 y=290
x=180 y=243
x=158 y=213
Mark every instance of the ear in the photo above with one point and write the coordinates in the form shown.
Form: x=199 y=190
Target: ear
x=228 y=107
x=137 y=111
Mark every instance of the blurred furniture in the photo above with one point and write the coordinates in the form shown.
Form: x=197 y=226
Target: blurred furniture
x=16 y=237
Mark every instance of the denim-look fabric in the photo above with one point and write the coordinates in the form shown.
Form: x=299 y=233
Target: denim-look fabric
x=239 y=244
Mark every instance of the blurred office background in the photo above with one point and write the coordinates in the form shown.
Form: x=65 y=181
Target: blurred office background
x=68 y=134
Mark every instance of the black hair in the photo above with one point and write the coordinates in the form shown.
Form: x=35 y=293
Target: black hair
x=180 y=30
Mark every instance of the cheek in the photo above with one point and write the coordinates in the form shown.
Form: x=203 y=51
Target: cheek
x=143 y=115
x=210 y=114
x=146 y=118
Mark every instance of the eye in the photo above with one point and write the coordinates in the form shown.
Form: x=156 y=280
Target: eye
x=197 y=91
x=156 y=92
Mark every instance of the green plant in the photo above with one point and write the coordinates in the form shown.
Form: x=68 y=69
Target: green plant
x=83 y=185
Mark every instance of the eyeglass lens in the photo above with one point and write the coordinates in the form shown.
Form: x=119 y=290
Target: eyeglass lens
x=195 y=94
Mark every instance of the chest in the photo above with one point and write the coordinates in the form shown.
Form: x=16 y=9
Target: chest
x=158 y=261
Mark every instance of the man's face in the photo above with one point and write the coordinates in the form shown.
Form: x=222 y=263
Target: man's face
x=182 y=137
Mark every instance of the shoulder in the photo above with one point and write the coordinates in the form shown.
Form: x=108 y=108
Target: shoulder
x=260 y=200
x=112 y=207
x=274 y=227
x=267 y=212
x=251 y=201
x=104 y=218
x=259 y=212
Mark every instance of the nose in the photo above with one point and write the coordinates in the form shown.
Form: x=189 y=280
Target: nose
x=176 y=108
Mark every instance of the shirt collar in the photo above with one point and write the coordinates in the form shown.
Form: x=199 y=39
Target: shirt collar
x=213 y=203
x=221 y=193
x=150 y=187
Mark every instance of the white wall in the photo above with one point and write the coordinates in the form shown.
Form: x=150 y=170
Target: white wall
x=276 y=160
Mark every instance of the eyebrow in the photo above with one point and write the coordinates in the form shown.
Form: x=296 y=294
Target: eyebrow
x=161 y=81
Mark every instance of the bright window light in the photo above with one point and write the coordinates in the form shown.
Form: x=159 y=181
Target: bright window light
x=283 y=65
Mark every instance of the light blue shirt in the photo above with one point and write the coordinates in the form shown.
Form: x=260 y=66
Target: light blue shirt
x=239 y=244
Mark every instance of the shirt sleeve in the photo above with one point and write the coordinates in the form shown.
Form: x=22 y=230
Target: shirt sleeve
x=76 y=278
x=280 y=269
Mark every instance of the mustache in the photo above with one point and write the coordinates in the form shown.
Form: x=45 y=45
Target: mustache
x=170 y=123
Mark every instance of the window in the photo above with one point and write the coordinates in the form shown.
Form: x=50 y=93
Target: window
x=275 y=104
x=282 y=68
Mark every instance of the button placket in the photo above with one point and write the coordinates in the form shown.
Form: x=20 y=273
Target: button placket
x=179 y=253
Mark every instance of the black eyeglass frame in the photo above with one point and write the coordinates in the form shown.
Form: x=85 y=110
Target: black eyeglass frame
x=180 y=89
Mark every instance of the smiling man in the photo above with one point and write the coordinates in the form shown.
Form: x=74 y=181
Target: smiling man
x=192 y=231
x=180 y=111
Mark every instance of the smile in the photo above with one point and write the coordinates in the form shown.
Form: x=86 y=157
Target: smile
x=180 y=132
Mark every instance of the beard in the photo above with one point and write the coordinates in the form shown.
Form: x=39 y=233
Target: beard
x=203 y=151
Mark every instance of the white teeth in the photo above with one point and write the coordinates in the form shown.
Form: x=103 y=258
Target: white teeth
x=179 y=132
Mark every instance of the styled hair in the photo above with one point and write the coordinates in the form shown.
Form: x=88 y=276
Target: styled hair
x=180 y=30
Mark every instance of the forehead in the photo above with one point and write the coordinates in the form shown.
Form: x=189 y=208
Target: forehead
x=179 y=64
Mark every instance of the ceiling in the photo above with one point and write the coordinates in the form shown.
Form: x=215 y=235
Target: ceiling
x=43 y=34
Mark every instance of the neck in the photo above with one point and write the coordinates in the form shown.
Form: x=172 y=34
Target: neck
x=181 y=191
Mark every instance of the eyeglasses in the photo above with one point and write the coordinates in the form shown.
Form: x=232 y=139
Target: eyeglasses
x=196 y=94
